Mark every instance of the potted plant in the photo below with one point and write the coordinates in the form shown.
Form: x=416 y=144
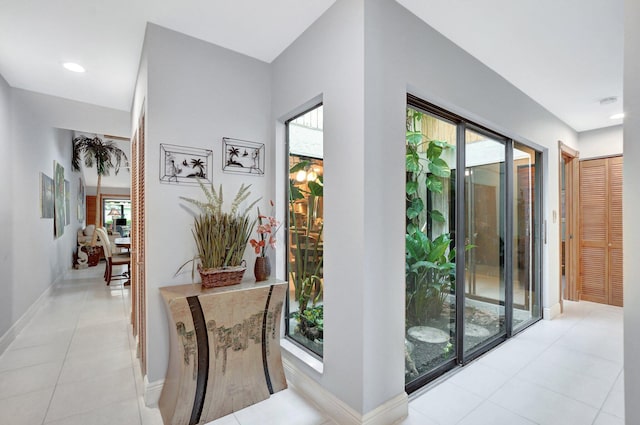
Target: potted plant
x=106 y=156
x=267 y=228
x=221 y=237
x=429 y=260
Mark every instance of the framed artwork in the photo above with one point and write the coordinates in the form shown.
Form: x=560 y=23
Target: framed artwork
x=46 y=196
x=185 y=165
x=81 y=200
x=58 y=200
x=67 y=203
x=242 y=156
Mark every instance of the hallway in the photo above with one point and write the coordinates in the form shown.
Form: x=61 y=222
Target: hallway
x=74 y=363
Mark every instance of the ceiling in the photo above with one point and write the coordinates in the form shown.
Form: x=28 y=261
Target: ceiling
x=567 y=55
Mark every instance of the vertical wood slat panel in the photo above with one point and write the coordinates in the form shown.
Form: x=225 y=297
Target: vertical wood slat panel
x=134 y=229
x=601 y=230
x=615 y=200
x=137 y=243
x=615 y=277
x=141 y=247
x=615 y=232
x=593 y=274
x=593 y=230
x=593 y=190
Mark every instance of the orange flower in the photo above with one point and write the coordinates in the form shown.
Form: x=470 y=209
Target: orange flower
x=256 y=245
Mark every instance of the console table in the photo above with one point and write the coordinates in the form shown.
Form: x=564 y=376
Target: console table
x=224 y=349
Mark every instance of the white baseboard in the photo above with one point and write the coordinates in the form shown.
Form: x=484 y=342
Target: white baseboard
x=550 y=313
x=390 y=412
x=10 y=335
x=152 y=391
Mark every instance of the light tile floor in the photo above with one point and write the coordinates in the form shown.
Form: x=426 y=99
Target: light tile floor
x=74 y=363
x=567 y=371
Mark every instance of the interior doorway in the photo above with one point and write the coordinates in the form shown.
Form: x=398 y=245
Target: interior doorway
x=569 y=189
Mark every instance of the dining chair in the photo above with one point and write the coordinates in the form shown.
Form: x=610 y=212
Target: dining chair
x=119 y=259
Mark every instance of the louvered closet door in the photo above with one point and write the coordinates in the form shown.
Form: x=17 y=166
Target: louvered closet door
x=593 y=230
x=615 y=231
x=601 y=230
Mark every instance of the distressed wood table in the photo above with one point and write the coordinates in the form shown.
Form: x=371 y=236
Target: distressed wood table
x=224 y=349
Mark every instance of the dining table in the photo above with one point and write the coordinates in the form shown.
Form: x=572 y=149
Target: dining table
x=123 y=243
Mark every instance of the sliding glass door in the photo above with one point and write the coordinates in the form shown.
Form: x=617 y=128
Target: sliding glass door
x=484 y=301
x=526 y=236
x=430 y=343
x=472 y=244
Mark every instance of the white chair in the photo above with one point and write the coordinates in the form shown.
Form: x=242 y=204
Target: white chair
x=119 y=259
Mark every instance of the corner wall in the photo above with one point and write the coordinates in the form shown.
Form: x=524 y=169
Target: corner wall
x=364 y=118
x=326 y=63
x=631 y=208
x=196 y=94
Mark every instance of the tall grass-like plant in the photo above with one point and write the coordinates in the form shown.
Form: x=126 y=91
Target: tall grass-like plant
x=221 y=237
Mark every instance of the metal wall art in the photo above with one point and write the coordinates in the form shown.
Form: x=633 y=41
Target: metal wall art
x=185 y=165
x=242 y=156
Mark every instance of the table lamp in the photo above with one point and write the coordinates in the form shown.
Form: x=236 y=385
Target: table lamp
x=113 y=214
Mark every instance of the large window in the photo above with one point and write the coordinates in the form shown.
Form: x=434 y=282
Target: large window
x=116 y=214
x=472 y=245
x=305 y=318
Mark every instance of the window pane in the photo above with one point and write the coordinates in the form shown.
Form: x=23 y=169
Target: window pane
x=117 y=215
x=430 y=226
x=485 y=231
x=306 y=225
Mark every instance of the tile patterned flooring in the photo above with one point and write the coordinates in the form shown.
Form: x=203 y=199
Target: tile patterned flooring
x=74 y=363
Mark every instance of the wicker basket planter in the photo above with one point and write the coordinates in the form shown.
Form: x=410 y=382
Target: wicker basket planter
x=94 y=253
x=213 y=278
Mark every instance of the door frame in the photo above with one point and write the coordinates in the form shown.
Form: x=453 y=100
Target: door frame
x=571 y=171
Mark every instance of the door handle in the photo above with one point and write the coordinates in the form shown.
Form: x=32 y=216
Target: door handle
x=609 y=244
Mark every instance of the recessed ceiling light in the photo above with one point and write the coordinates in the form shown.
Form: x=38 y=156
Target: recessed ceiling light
x=617 y=116
x=74 y=67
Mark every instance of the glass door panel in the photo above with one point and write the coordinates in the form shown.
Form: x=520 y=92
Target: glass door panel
x=484 y=308
x=430 y=258
x=526 y=278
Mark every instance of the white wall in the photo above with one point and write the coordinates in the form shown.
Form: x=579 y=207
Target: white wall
x=36 y=259
x=6 y=209
x=364 y=170
x=631 y=210
x=440 y=72
x=198 y=93
x=601 y=142
x=327 y=63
